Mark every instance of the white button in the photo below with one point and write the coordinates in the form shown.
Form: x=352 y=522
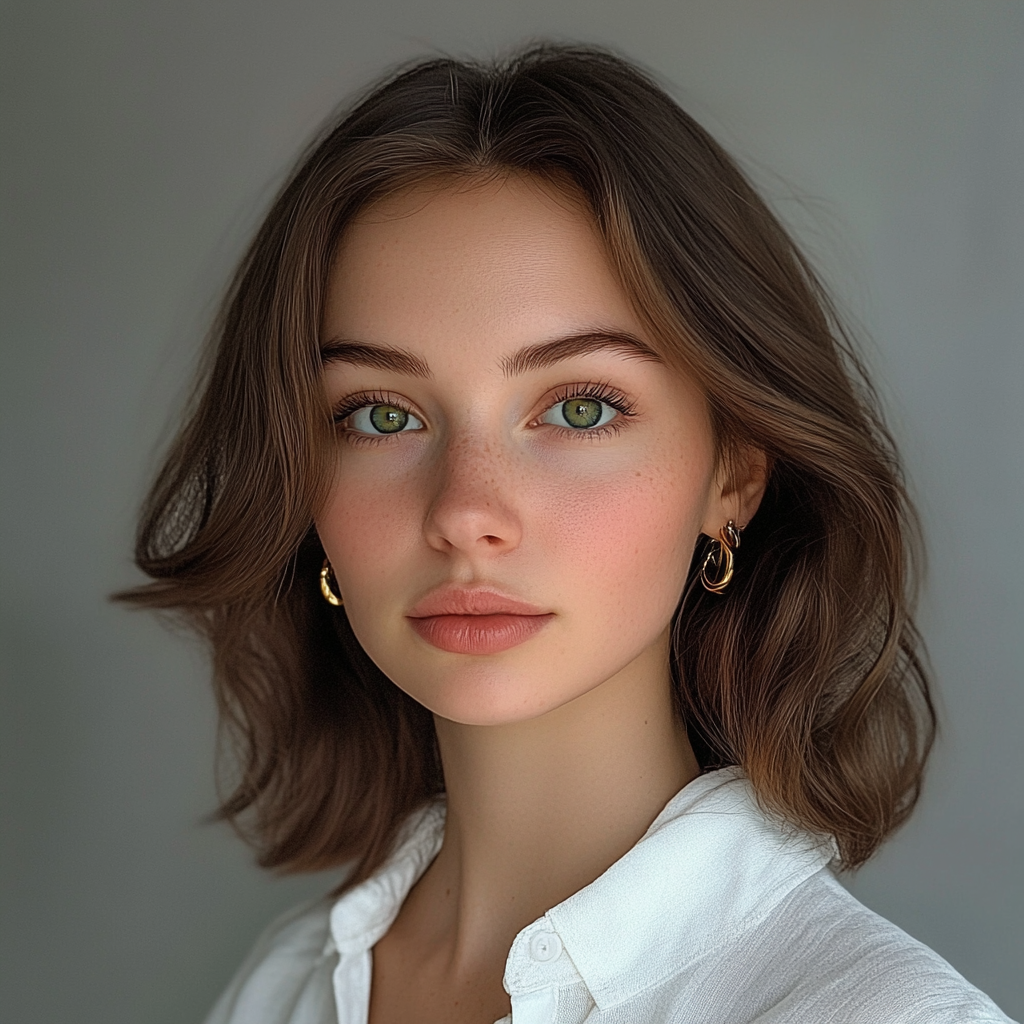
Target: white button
x=545 y=946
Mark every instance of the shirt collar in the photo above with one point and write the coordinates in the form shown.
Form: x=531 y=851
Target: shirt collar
x=362 y=916
x=711 y=865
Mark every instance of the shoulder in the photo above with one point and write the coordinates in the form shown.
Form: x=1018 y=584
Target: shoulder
x=823 y=955
x=286 y=978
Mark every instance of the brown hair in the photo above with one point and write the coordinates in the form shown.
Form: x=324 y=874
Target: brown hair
x=805 y=672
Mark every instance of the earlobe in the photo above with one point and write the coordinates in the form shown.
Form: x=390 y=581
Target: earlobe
x=739 y=487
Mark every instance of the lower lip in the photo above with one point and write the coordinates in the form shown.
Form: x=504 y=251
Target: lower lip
x=478 y=634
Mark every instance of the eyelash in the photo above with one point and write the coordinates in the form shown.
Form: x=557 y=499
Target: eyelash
x=600 y=391
x=360 y=401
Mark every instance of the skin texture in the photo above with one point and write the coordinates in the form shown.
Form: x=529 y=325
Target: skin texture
x=559 y=752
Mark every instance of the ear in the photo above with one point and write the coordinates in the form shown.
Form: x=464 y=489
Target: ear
x=737 y=489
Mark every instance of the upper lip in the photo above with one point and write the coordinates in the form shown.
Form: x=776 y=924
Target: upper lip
x=484 y=600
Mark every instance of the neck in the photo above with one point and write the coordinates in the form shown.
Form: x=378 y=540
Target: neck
x=539 y=809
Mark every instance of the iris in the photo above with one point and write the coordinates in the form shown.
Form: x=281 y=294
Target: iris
x=581 y=412
x=388 y=419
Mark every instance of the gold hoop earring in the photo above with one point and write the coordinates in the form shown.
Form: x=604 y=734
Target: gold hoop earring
x=721 y=558
x=325 y=585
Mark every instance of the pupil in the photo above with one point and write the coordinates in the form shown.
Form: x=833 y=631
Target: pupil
x=582 y=412
x=388 y=419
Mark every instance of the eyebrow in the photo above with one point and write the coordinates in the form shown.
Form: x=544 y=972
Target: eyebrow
x=532 y=357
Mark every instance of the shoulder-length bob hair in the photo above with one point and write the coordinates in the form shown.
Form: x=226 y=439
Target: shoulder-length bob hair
x=805 y=673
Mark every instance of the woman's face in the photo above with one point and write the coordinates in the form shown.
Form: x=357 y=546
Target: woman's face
x=502 y=435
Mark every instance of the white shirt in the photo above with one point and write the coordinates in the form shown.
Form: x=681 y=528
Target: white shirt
x=718 y=915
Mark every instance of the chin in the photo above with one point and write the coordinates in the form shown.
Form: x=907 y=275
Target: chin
x=497 y=700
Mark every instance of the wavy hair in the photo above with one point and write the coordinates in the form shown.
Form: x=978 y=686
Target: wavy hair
x=806 y=673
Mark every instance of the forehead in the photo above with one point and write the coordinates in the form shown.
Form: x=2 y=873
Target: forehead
x=466 y=266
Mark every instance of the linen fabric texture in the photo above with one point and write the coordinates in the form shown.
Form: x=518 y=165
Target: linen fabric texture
x=720 y=914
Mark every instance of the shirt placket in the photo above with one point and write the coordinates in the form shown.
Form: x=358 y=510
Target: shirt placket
x=538 y=967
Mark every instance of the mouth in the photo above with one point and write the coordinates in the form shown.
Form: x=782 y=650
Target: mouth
x=475 y=619
x=478 y=634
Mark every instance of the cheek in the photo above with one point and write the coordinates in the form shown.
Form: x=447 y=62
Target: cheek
x=626 y=540
x=367 y=522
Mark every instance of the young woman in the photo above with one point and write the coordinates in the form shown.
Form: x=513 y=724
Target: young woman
x=556 y=568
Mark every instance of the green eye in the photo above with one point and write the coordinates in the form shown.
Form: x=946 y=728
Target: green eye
x=383 y=419
x=580 y=413
x=388 y=419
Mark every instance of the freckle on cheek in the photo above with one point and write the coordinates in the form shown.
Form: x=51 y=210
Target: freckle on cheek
x=604 y=525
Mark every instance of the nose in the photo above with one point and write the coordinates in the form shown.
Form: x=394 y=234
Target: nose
x=471 y=511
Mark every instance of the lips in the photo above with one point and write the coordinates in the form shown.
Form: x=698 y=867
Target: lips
x=475 y=620
x=451 y=600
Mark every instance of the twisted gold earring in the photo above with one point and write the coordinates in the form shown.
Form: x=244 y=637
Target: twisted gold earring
x=721 y=558
x=326 y=574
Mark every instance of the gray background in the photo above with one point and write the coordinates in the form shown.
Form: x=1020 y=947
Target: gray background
x=141 y=142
